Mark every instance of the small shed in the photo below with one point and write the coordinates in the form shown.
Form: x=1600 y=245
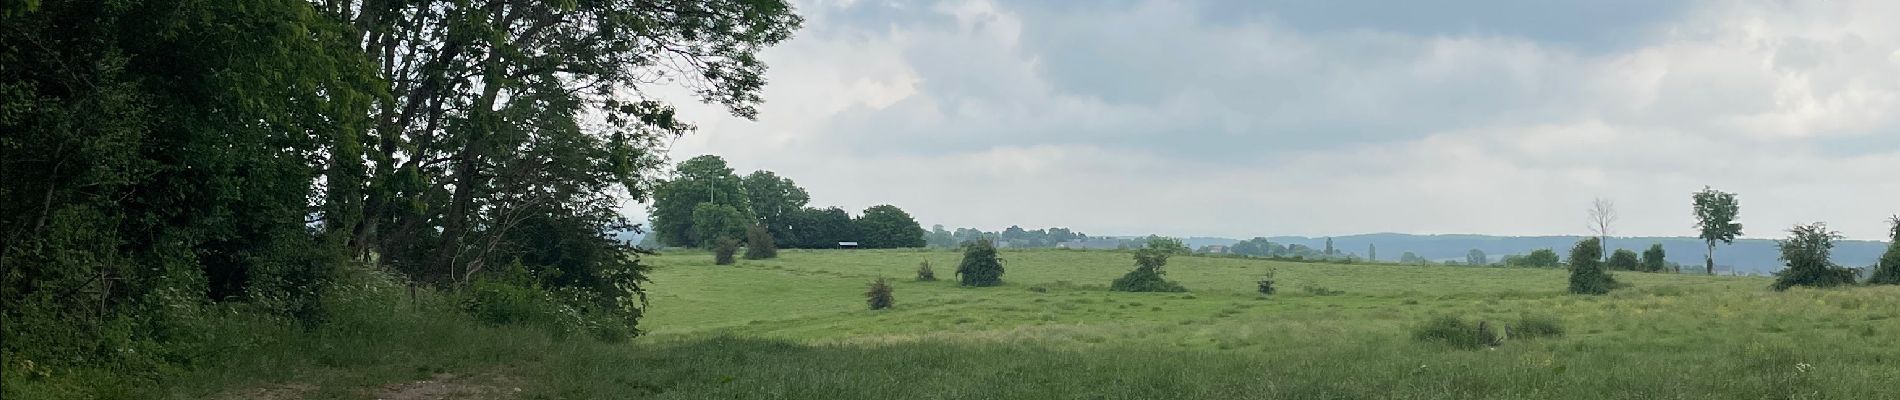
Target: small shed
x=847 y=245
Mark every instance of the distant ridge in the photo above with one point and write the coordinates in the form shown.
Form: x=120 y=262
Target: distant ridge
x=1746 y=256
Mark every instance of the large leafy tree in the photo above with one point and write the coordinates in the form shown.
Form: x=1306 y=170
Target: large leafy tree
x=823 y=228
x=980 y=265
x=773 y=200
x=713 y=222
x=1476 y=257
x=1715 y=213
x=887 y=227
x=700 y=180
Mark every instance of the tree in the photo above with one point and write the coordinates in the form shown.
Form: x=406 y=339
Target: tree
x=980 y=266
x=759 y=243
x=1329 y=247
x=1623 y=260
x=714 y=221
x=1409 y=258
x=1476 y=257
x=1372 y=252
x=1166 y=245
x=1807 y=251
x=1586 y=271
x=1715 y=213
x=700 y=180
x=1148 y=275
x=823 y=228
x=1887 y=272
x=940 y=238
x=888 y=227
x=1654 y=258
x=1602 y=214
x=774 y=200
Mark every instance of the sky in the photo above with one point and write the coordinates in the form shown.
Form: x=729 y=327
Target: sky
x=1290 y=117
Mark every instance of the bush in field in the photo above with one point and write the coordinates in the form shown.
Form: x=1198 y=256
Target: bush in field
x=1807 y=251
x=1654 y=259
x=924 y=273
x=1888 y=271
x=1265 y=284
x=1148 y=275
x=879 y=294
x=1624 y=260
x=1586 y=273
x=758 y=244
x=980 y=266
x=723 y=249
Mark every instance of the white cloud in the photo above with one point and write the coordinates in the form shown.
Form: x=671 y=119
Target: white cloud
x=1145 y=117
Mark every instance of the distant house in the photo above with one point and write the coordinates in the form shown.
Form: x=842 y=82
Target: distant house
x=847 y=245
x=1091 y=244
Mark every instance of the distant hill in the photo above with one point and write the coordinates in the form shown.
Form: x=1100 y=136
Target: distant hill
x=1746 y=256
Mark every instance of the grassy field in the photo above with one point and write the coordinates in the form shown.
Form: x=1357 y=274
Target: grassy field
x=797 y=327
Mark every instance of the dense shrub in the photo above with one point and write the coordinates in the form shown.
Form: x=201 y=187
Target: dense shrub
x=924 y=273
x=723 y=249
x=1586 y=273
x=758 y=244
x=1807 y=251
x=1148 y=275
x=1543 y=258
x=1624 y=260
x=1265 y=284
x=980 y=265
x=878 y=296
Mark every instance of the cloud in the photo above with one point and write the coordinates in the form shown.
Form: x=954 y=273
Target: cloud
x=1246 y=118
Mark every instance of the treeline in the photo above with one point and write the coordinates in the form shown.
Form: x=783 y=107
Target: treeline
x=162 y=157
x=1012 y=237
x=705 y=201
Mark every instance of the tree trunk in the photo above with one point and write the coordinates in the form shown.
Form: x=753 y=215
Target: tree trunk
x=1710 y=258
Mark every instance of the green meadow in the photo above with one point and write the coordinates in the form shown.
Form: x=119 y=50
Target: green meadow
x=797 y=327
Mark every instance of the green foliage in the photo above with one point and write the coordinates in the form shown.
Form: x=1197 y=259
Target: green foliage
x=759 y=244
x=822 y=228
x=698 y=183
x=980 y=265
x=1587 y=275
x=1655 y=259
x=878 y=296
x=1148 y=275
x=1624 y=260
x=1715 y=214
x=1413 y=259
x=888 y=227
x=775 y=200
x=1540 y=258
x=1476 y=257
x=712 y=222
x=1807 y=250
x=1887 y=271
x=1258 y=247
x=924 y=273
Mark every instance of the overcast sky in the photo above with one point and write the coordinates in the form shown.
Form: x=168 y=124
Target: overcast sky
x=1293 y=117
